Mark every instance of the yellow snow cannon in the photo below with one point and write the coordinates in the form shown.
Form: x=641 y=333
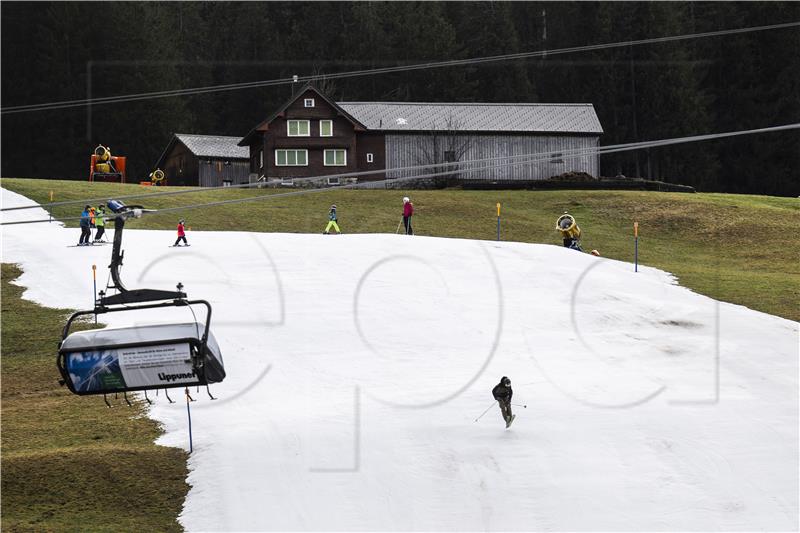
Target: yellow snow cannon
x=567 y=226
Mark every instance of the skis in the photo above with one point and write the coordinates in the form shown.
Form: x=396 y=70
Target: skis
x=179 y=246
x=88 y=244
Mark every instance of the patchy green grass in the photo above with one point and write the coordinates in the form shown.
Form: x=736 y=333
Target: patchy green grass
x=737 y=248
x=69 y=462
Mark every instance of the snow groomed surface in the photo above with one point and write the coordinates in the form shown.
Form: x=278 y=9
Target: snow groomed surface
x=357 y=365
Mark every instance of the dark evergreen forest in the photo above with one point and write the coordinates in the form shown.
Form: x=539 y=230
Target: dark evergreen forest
x=72 y=50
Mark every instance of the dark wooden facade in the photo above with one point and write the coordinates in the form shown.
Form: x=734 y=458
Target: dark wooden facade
x=204 y=161
x=348 y=135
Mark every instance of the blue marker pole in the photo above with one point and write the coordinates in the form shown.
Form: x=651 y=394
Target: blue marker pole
x=189 y=414
x=94 y=297
x=636 y=247
x=498 y=221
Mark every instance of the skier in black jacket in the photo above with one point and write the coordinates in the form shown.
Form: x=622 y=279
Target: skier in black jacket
x=502 y=393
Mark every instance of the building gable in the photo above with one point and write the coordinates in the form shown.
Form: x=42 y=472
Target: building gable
x=296 y=106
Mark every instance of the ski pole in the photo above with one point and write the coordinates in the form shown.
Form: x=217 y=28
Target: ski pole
x=519 y=405
x=398 y=226
x=486 y=411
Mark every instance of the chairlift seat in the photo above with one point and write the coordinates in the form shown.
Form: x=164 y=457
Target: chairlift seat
x=144 y=357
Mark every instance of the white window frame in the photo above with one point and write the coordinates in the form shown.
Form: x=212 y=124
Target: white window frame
x=333 y=181
x=308 y=102
x=320 y=128
x=289 y=128
x=325 y=158
x=287 y=150
x=370 y=158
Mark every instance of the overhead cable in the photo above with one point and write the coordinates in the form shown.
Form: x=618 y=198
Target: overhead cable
x=65 y=104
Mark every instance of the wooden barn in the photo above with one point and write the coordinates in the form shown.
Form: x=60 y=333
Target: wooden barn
x=204 y=160
x=311 y=135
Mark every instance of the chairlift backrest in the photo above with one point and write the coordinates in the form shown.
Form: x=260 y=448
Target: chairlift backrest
x=138 y=358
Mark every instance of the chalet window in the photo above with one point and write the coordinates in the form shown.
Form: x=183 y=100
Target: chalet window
x=335 y=158
x=333 y=181
x=261 y=159
x=370 y=158
x=299 y=128
x=556 y=158
x=291 y=158
x=449 y=156
x=308 y=102
x=326 y=128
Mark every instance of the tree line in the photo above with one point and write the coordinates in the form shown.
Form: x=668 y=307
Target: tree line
x=72 y=50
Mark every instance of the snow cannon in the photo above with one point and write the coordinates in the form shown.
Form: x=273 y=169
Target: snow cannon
x=106 y=167
x=157 y=177
x=569 y=230
x=138 y=357
x=567 y=226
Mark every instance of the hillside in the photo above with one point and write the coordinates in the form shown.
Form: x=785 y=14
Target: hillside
x=735 y=248
x=358 y=364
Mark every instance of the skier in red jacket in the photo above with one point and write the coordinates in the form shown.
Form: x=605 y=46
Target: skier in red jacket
x=408 y=212
x=181 y=233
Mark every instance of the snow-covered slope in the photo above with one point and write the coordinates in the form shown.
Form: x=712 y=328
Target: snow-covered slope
x=357 y=365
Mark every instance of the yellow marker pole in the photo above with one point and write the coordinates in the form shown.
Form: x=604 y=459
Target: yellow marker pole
x=51 y=196
x=498 y=221
x=636 y=247
x=94 y=301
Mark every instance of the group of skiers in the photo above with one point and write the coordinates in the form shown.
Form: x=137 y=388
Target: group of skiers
x=92 y=218
x=408 y=212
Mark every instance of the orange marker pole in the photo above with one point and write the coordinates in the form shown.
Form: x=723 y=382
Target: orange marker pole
x=498 y=221
x=94 y=301
x=636 y=247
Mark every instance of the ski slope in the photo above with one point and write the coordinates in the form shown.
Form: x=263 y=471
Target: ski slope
x=357 y=365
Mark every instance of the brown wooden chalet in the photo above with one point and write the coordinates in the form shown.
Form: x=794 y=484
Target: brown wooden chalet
x=311 y=136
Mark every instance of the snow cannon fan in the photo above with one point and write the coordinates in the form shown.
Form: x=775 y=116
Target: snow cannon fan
x=567 y=226
x=103 y=160
x=138 y=358
x=157 y=177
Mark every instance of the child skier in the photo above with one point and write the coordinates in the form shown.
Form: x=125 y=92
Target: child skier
x=86 y=232
x=331 y=221
x=502 y=393
x=181 y=234
x=408 y=212
x=100 y=223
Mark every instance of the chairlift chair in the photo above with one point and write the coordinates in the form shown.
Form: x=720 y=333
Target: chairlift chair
x=138 y=358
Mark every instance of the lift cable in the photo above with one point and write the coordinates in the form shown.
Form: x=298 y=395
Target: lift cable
x=64 y=104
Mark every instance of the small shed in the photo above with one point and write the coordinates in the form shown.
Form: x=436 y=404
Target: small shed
x=204 y=161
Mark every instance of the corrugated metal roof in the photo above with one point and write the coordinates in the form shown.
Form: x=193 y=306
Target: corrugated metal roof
x=550 y=118
x=214 y=146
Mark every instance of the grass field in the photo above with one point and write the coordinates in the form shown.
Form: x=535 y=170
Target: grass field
x=69 y=462
x=736 y=248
